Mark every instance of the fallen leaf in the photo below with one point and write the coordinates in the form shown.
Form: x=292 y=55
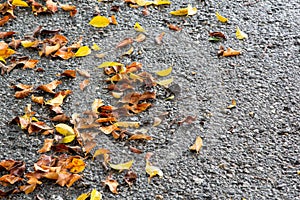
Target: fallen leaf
x=4 y=20
x=162 y=2
x=50 y=86
x=130 y=177
x=140 y=38
x=240 y=34
x=174 y=27
x=110 y=64
x=165 y=72
x=83 y=73
x=28 y=188
x=6 y=34
x=47 y=50
x=83 y=51
x=140 y=137
x=64 y=53
x=30 y=64
x=197 y=145
x=157 y=121
x=221 y=18
x=95 y=195
x=185 y=11
x=52 y=6
x=69 y=73
x=47 y=146
x=217 y=34
x=99 y=22
x=64 y=129
x=11 y=179
x=158 y=39
x=84 y=83
x=60 y=118
x=113 y=20
x=165 y=82
x=100 y=151
x=138 y=27
x=76 y=165
x=112 y=184
x=214 y=39
x=95 y=47
x=128 y=124
x=117 y=95
x=233 y=104
x=135 y=150
x=125 y=42
x=231 y=52
x=19 y=3
x=188 y=120
x=108 y=129
x=58 y=99
x=83 y=196
x=152 y=171
x=122 y=166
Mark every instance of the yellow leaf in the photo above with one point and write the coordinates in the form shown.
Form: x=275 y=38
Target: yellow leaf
x=95 y=195
x=164 y=72
x=83 y=196
x=95 y=47
x=144 y=3
x=197 y=145
x=117 y=95
x=138 y=27
x=27 y=43
x=152 y=171
x=240 y=34
x=83 y=51
x=128 y=124
x=185 y=11
x=68 y=139
x=122 y=166
x=2 y=60
x=221 y=18
x=100 y=151
x=99 y=22
x=161 y=2
x=64 y=129
x=110 y=64
x=19 y=3
x=166 y=82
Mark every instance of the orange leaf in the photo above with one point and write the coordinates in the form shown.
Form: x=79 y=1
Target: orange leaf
x=39 y=100
x=51 y=6
x=231 y=52
x=47 y=146
x=11 y=179
x=4 y=19
x=197 y=145
x=140 y=137
x=28 y=188
x=30 y=64
x=112 y=184
x=50 y=86
x=69 y=73
x=64 y=54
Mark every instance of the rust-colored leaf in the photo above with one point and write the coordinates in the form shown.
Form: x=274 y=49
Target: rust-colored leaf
x=30 y=64
x=130 y=177
x=217 y=34
x=65 y=53
x=69 y=73
x=11 y=179
x=60 y=118
x=4 y=20
x=174 y=27
x=28 y=188
x=140 y=137
x=52 y=6
x=6 y=34
x=231 y=52
x=135 y=150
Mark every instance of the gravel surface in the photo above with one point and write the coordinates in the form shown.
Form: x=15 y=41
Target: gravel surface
x=243 y=156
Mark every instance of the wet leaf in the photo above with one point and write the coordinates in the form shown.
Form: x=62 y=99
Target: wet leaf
x=233 y=104
x=197 y=145
x=112 y=184
x=122 y=166
x=47 y=146
x=140 y=137
x=165 y=72
x=64 y=129
x=240 y=34
x=138 y=27
x=69 y=73
x=99 y=22
x=95 y=47
x=165 y=82
x=152 y=171
x=221 y=18
x=110 y=64
x=50 y=86
x=83 y=51
x=19 y=3
x=95 y=195
x=130 y=177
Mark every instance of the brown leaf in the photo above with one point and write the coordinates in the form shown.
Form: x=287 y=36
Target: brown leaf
x=197 y=145
x=125 y=42
x=88 y=146
x=51 y=6
x=22 y=94
x=135 y=150
x=217 y=34
x=11 y=179
x=60 y=118
x=6 y=34
x=28 y=188
x=188 y=120
x=47 y=50
x=130 y=177
x=47 y=146
x=50 y=86
x=15 y=43
x=100 y=151
x=174 y=27
x=69 y=73
x=83 y=73
x=84 y=83
x=140 y=137
x=159 y=38
x=64 y=53
x=30 y=64
x=112 y=184
x=4 y=19
x=35 y=127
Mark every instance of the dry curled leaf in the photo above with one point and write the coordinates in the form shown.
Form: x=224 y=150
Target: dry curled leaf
x=140 y=137
x=112 y=184
x=197 y=145
x=130 y=177
x=152 y=171
x=159 y=38
x=47 y=146
x=50 y=86
x=69 y=73
x=122 y=166
x=231 y=52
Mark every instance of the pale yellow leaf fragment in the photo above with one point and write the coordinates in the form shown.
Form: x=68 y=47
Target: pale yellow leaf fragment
x=161 y=2
x=110 y=64
x=165 y=82
x=64 y=129
x=138 y=27
x=83 y=196
x=95 y=195
x=99 y=22
x=197 y=145
x=152 y=171
x=221 y=18
x=240 y=34
x=95 y=47
x=128 y=124
x=122 y=166
x=83 y=51
x=165 y=72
